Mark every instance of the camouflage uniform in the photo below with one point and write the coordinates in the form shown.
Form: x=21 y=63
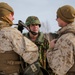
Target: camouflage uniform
x=13 y=45
x=41 y=42
x=42 y=46
x=62 y=58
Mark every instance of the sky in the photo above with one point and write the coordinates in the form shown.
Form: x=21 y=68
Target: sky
x=45 y=10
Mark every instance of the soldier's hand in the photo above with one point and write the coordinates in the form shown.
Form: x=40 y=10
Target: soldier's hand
x=20 y=28
x=52 y=43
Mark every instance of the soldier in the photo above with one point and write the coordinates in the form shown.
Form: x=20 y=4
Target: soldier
x=13 y=44
x=33 y=24
x=61 y=57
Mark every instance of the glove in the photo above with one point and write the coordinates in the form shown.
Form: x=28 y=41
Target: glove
x=20 y=28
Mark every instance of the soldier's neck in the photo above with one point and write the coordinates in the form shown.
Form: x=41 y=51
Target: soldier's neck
x=33 y=37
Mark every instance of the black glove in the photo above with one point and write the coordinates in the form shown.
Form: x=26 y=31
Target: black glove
x=20 y=28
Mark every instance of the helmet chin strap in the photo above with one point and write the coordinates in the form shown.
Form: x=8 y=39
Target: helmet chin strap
x=34 y=33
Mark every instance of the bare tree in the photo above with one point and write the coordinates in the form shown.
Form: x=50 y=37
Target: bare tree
x=45 y=27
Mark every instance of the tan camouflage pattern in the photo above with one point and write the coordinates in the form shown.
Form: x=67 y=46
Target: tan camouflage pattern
x=31 y=52
x=23 y=46
x=61 y=58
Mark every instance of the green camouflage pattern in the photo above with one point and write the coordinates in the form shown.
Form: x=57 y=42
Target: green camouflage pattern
x=43 y=46
x=32 y=20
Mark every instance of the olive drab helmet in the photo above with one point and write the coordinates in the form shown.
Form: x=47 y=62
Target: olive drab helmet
x=32 y=20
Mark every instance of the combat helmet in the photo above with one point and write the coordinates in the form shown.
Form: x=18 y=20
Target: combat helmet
x=32 y=20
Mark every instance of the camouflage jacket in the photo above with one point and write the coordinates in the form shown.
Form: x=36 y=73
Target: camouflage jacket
x=12 y=39
x=43 y=45
x=61 y=58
